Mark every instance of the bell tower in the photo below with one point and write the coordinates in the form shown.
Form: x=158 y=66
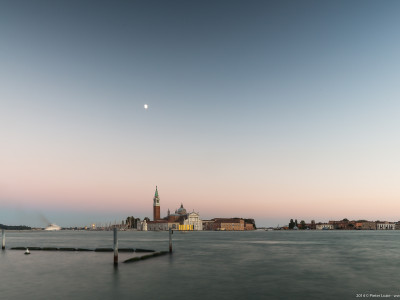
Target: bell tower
x=156 y=206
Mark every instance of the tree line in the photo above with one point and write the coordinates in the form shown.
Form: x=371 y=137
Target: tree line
x=19 y=227
x=293 y=224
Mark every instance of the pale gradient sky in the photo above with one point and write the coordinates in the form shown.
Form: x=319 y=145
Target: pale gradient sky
x=265 y=109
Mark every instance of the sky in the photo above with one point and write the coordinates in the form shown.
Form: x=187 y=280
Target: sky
x=269 y=110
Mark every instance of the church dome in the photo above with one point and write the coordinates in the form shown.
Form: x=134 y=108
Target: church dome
x=181 y=210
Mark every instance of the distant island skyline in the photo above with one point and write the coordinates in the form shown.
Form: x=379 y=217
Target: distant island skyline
x=182 y=219
x=38 y=219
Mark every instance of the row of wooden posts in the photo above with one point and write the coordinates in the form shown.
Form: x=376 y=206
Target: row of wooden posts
x=116 y=244
x=3 y=247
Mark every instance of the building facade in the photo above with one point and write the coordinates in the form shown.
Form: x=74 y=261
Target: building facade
x=385 y=226
x=235 y=224
x=142 y=225
x=248 y=226
x=158 y=225
x=366 y=225
x=208 y=224
x=343 y=224
x=193 y=220
x=324 y=226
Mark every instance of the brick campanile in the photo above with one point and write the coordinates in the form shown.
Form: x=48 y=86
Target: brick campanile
x=156 y=206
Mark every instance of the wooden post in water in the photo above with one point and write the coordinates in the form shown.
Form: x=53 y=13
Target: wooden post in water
x=170 y=240
x=115 y=246
x=3 y=235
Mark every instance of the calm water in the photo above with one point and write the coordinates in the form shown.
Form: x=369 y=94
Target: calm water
x=205 y=265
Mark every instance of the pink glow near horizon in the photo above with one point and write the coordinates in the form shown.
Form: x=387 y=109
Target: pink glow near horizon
x=87 y=190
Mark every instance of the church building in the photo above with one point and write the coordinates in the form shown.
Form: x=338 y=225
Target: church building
x=180 y=220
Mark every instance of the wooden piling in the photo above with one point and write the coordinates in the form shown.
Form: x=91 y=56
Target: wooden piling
x=3 y=235
x=115 y=246
x=170 y=240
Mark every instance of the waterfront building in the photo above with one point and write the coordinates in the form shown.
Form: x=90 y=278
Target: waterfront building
x=208 y=224
x=142 y=225
x=161 y=225
x=248 y=226
x=343 y=224
x=157 y=225
x=186 y=227
x=234 y=224
x=324 y=226
x=186 y=221
x=174 y=225
x=193 y=220
x=385 y=225
x=365 y=225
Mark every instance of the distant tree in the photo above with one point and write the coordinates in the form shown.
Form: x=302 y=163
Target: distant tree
x=295 y=223
x=313 y=224
x=147 y=219
x=303 y=224
x=130 y=222
x=291 y=224
x=345 y=220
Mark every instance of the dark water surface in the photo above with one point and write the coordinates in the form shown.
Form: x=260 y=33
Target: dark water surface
x=205 y=265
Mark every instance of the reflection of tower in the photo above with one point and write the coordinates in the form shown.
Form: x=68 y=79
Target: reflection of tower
x=156 y=206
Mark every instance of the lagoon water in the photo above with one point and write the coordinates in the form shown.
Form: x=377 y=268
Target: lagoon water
x=205 y=265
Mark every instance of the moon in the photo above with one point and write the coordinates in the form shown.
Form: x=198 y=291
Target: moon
x=146 y=106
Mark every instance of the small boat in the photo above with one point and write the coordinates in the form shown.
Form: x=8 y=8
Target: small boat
x=27 y=251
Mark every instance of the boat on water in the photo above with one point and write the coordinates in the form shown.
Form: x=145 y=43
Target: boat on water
x=53 y=227
x=27 y=251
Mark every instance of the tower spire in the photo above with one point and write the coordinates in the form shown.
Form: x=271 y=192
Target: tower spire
x=156 y=206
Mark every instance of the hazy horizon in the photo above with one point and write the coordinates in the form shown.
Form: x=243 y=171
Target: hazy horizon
x=269 y=110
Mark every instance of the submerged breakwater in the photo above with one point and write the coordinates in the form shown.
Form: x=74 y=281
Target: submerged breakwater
x=155 y=254
x=81 y=249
